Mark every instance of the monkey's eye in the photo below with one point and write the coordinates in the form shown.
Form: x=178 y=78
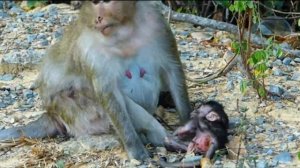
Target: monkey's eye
x=95 y=1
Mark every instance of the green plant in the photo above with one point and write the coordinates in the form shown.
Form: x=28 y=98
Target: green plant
x=31 y=4
x=254 y=62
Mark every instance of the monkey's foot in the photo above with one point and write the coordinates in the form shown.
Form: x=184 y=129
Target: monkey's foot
x=205 y=163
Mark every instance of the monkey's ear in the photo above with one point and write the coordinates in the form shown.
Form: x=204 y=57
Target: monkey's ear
x=212 y=116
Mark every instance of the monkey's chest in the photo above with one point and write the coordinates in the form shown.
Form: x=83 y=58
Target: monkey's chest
x=200 y=143
x=141 y=83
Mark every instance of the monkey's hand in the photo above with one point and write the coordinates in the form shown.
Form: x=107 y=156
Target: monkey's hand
x=185 y=132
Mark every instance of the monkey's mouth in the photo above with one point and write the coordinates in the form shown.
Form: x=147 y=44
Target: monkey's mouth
x=106 y=29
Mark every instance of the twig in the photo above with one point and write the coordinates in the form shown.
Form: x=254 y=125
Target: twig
x=277 y=11
x=241 y=137
x=219 y=73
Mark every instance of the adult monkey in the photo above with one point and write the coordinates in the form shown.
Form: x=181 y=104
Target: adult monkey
x=109 y=69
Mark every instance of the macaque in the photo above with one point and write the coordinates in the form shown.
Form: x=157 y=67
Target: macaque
x=107 y=72
x=206 y=132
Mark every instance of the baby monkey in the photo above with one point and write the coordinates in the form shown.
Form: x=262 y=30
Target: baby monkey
x=205 y=133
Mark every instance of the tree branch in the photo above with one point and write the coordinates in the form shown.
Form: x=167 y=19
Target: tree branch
x=205 y=22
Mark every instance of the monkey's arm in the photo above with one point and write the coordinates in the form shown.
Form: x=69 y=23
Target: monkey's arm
x=145 y=123
x=176 y=81
x=114 y=104
x=187 y=131
x=45 y=126
x=172 y=145
x=212 y=148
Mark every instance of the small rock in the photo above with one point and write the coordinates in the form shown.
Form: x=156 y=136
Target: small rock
x=53 y=10
x=277 y=72
x=38 y=14
x=3 y=15
x=234 y=122
x=58 y=33
x=229 y=85
x=41 y=36
x=6 y=92
x=31 y=37
x=284 y=157
x=279 y=105
x=294 y=89
x=260 y=120
x=10 y=120
x=185 y=33
x=202 y=54
x=291 y=137
x=296 y=76
x=7 y=77
x=293 y=63
x=292 y=145
x=297 y=60
x=286 y=61
x=277 y=62
x=275 y=89
x=269 y=152
x=285 y=45
x=226 y=41
x=44 y=43
x=259 y=129
x=182 y=43
x=15 y=11
x=274 y=163
x=261 y=164
x=2 y=105
x=161 y=151
x=28 y=94
x=215 y=56
x=185 y=55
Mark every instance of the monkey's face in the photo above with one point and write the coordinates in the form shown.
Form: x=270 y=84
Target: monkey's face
x=110 y=15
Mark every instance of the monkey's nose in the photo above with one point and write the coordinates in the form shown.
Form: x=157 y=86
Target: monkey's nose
x=100 y=19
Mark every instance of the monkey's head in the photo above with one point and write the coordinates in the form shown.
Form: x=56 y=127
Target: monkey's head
x=213 y=112
x=108 y=16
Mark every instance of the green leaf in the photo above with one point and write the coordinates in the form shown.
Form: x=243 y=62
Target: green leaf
x=278 y=52
x=243 y=86
x=179 y=10
x=34 y=3
x=262 y=91
x=298 y=155
x=231 y=8
x=250 y=4
x=298 y=22
x=224 y=3
x=262 y=67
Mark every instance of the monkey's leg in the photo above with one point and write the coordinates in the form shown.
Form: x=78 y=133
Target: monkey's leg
x=144 y=122
x=45 y=126
x=177 y=87
x=115 y=106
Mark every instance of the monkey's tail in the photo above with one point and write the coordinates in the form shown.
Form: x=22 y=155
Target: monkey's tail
x=45 y=126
